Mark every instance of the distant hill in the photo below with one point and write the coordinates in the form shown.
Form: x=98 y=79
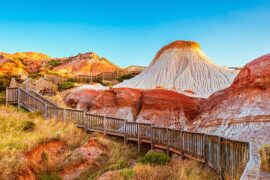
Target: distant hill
x=25 y=64
x=85 y=64
x=22 y=63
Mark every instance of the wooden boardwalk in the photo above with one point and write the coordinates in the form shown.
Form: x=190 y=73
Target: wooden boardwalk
x=227 y=157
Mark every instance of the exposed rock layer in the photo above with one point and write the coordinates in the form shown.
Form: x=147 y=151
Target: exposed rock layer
x=158 y=106
x=242 y=110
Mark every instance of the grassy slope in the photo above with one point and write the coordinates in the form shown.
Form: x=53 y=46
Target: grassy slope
x=18 y=136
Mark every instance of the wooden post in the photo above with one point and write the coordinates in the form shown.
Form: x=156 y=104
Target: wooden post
x=205 y=150
x=220 y=159
x=152 y=139
x=6 y=96
x=139 y=143
x=104 y=125
x=84 y=121
x=181 y=144
x=167 y=140
x=19 y=98
x=64 y=115
x=125 y=131
x=46 y=111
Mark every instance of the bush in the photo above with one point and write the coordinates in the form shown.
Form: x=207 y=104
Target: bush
x=125 y=77
x=28 y=125
x=45 y=176
x=55 y=62
x=66 y=85
x=3 y=83
x=155 y=158
x=35 y=75
x=99 y=80
x=127 y=173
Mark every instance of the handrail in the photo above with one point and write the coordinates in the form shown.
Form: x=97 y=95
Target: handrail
x=47 y=101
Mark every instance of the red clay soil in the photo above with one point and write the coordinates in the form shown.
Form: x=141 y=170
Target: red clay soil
x=39 y=157
x=89 y=153
x=52 y=153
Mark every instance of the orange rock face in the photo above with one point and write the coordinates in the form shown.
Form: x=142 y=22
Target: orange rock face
x=226 y=112
x=161 y=107
x=167 y=108
x=254 y=74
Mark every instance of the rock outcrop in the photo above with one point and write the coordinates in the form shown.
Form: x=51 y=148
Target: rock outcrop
x=182 y=67
x=81 y=99
x=158 y=106
x=121 y=103
x=242 y=110
x=167 y=108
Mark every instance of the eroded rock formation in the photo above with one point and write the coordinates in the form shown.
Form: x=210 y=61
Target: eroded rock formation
x=158 y=106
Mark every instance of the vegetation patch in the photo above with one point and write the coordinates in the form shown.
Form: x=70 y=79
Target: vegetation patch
x=4 y=82
x=54 y=62
x=127 y=173
x=28 y=125
x=125 y=77
x=66 y=85
x=100 y=81
x=35 y=75
x=48 y=176
x=22 y=133
x=155 y=158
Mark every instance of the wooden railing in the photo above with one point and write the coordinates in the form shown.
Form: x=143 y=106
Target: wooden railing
x=227 y=157
x=38 y=85
x=55 y=79
x=45 y=100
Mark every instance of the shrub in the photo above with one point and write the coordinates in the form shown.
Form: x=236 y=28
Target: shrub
x=66 y=85
x=3 y=84
x=265 y=158
x=35 y=75
x=155 y=158
x=99 y=80
x=28 y=125
x=55 y=62
x=127 y=173
x=45 y=176
x=125 y=77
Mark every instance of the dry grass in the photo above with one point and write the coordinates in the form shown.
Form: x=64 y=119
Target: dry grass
x=265 y=158
x=19 y=135
x=175 y=170
x=57 y=99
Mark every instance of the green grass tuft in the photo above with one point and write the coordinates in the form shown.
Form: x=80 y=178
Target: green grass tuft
x=155 y=158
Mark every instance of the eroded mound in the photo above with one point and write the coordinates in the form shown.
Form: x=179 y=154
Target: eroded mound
x=182 y=67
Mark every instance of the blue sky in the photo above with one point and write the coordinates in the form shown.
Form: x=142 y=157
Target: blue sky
x=231 y=32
